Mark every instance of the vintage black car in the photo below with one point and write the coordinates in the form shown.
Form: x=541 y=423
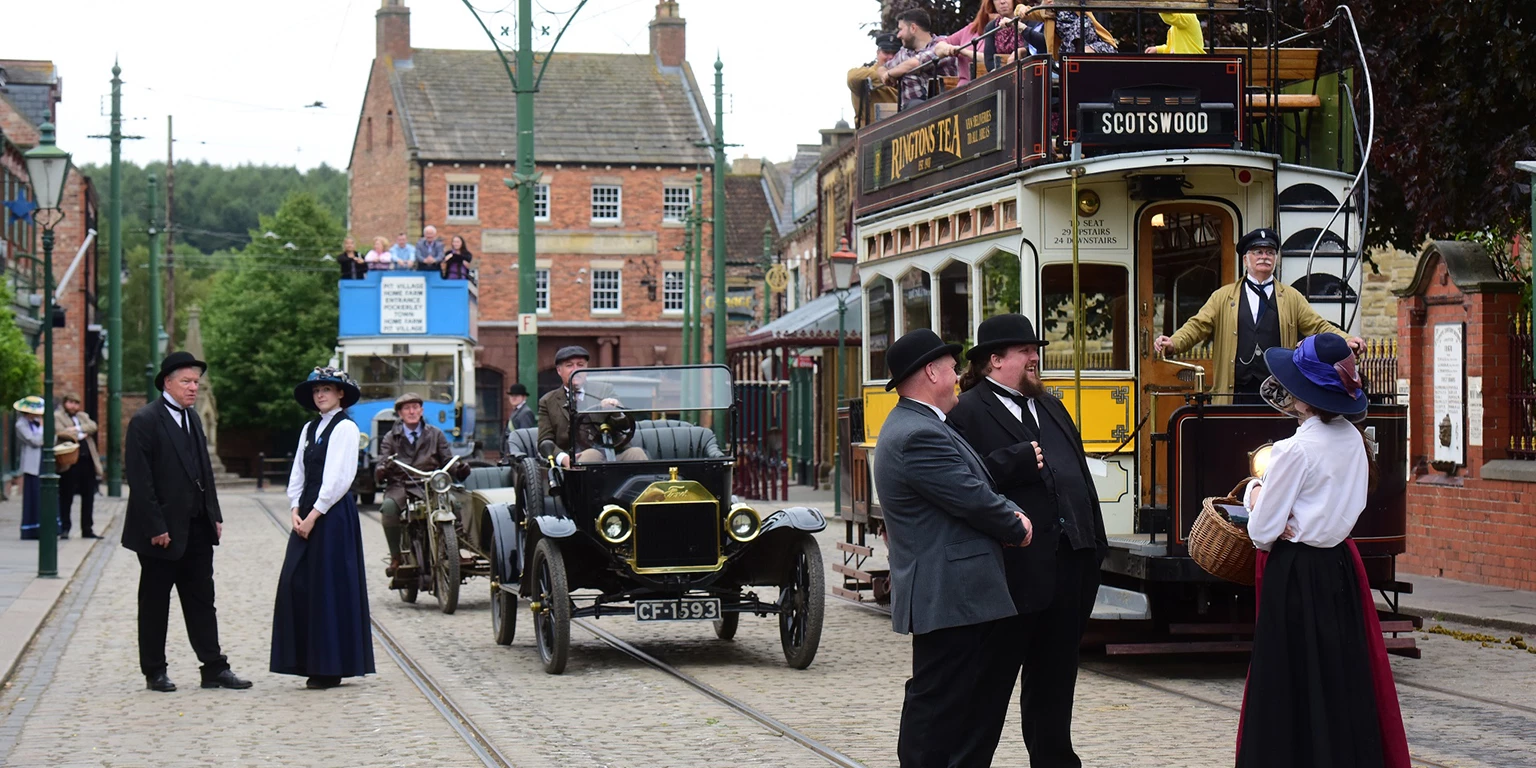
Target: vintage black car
x=660 y=539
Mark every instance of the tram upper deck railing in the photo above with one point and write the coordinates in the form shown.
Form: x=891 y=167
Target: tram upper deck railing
x=407 y=304
x=1039 y=109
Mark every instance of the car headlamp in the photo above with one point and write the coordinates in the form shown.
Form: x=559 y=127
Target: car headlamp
x=440 y=482
x=743 y=523
x=614 y=524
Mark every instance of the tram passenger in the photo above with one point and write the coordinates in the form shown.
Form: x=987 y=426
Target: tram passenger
x=1320 y=691
x=320 y=620
x=1184 y=34
x=419 y=444
x=1030 y=445
x=919 y=49
x=402 y=255
x=555 y=421
x=353 y=265
x=946 y=529
x=1244 y=318
x=429 y=250
x=1063 y=30
x=862 y=80
x=379 y=258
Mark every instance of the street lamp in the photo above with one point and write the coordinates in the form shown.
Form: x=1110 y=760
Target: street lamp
x=843 y=262
x=47 y=170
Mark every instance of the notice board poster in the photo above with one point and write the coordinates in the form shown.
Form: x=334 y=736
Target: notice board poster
x=1450 y=419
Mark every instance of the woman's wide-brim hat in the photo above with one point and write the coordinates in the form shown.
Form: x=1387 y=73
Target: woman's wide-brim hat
x=304 y=392
x=1320 y=372
x=30 y=404
x=911 y=352
x=175 y=362
x=1000 y=332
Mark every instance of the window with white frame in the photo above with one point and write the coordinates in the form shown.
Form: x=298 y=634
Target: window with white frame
x=463 y=201
x=541 y=290
x=675 y=202
x=607 y=202
x=672 y=291
x=541 y=202
x=607 y=290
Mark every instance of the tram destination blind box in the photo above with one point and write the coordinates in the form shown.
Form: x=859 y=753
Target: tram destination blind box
x=1149 y=102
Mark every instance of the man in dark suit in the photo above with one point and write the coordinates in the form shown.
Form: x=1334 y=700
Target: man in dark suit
x=1034 y=450
x=521 y=416
x=555 y=420
x=946 y=527
x=173 y=522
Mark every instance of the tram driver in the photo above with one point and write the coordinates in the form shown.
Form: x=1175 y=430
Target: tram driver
x=555 y=421
x=1246 y=317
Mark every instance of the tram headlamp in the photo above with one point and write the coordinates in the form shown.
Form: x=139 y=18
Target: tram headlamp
x=1258 y=460
x=743 y=523
x=440 y=482
x=614 y=524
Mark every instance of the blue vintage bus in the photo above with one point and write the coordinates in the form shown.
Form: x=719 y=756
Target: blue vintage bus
x=409 y=332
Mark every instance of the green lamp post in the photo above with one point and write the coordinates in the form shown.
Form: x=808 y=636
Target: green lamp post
x=47 y=171
x=843 y=262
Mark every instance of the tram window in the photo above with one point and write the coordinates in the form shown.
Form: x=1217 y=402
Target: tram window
x=1000 y=285
x=882 y=313
x=916 y=301
x=1186 y=267
x=388 y=377
x=955 y=302
x=1106 y=316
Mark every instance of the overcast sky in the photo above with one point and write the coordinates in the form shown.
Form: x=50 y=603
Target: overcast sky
x=237 y=75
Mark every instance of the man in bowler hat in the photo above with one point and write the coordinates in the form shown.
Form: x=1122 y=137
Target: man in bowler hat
x=1029 y=443
x=946 y=530
x=173 y=523
x=1244 y=318
x=521 y=415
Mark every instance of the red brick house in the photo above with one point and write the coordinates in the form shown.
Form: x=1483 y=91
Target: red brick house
x=616 y=146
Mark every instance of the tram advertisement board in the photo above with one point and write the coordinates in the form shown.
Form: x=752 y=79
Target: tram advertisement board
x=954 y=139
x=1153 y=102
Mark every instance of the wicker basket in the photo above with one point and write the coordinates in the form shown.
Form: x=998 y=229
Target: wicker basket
x=1218 y=546
x=65 y=455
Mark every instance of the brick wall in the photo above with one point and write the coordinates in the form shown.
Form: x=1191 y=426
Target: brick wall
x=1467 y=525
x=380 y=166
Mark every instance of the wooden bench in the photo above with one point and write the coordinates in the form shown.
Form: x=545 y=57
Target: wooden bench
x=1290 y=65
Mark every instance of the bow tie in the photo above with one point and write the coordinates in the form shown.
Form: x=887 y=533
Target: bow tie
x=1021 y=399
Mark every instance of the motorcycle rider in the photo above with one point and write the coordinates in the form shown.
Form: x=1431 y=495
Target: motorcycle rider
x=419 y=444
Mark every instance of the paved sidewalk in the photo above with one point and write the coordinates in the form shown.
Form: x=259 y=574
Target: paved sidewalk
x=25 y=599
x=1497 y=607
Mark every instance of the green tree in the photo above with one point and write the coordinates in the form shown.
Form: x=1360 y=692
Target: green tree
x=20 y=373
x=271 y=315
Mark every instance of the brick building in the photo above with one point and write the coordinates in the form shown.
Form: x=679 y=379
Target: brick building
x=29 y=95
x=616 y=146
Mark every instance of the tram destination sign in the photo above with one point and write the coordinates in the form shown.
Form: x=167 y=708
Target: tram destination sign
x=403 y=305
x=1153 y=102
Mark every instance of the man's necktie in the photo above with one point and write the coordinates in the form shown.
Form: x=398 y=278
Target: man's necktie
x=1026 y=416
x=186 y=422
x=1264 y=299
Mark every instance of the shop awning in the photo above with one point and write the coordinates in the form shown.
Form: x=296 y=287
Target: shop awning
x=812 y=325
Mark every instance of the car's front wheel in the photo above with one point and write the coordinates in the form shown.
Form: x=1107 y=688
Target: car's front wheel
x=725 y=626
x=551 y=606
x=802 y=602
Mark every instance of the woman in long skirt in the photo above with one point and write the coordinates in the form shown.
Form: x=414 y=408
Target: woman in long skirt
x=320 y=625
x=29 y=430
x=1316 y=695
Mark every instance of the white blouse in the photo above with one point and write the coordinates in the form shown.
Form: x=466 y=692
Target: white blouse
x=340 y=463
x=1316 y=483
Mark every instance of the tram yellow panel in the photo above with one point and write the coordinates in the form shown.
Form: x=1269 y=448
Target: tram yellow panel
x=1109 y=410
x=878 y=404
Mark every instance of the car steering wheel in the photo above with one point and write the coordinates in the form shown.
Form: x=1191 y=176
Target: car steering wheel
x=591 y=429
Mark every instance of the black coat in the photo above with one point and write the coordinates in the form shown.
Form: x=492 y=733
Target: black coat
x=168 y=479
x=1004 y=444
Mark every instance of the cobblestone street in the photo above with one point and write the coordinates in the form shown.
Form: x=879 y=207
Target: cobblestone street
x=77 y=697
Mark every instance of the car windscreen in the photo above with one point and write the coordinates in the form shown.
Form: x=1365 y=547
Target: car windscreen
x=674 y=388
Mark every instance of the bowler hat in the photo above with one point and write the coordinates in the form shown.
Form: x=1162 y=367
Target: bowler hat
x=517 y=388
x=30 y=404
x=567 y=353
x=1000 y=332
x=1263 y=236
x=304 y=392
x=175 y=362
x=407 y=398
x=1320 y=372
x=908 y=354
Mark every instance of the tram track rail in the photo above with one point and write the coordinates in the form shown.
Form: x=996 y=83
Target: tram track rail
x=478 y=741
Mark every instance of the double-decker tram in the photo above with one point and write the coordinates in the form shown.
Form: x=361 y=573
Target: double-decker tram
x=1102 y=196
x=405 y=332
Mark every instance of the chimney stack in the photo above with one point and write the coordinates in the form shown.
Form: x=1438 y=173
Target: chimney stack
x=393 y=23
x=668 y=35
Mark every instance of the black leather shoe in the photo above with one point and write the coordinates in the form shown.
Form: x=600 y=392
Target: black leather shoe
x=89 y=535
x=160 y=683
x=226 y=679
x=322 y=682
x=64 y=534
